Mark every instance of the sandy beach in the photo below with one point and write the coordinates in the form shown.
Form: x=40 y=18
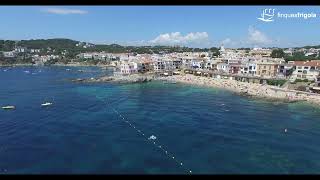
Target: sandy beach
x=248 y=89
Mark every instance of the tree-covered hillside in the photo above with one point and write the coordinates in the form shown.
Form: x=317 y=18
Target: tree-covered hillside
x=60 y=44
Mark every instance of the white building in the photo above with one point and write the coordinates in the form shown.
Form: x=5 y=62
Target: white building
x=163 y=64
x=223 y=67
x=249 y=68
x=85 y=56
x=9 y=54
x=127 y=67
x=20 y=49
x=309 y=70
x=34 y=50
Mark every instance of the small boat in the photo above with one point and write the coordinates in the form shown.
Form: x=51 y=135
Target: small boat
x=68 y=69
x=26 y=71
x=46 y=104
x=8 y=107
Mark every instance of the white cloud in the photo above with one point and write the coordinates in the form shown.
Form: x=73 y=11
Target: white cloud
x=226 y=41
x=62 y=11
x=257 y=37
x=230 y=43
x=176 y=38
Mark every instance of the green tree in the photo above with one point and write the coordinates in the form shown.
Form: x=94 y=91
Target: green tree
x=277 y=53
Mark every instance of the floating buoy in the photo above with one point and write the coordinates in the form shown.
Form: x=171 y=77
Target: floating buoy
x=152 y=137
x=285 y=130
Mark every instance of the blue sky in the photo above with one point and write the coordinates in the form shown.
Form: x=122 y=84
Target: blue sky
x=194 y=26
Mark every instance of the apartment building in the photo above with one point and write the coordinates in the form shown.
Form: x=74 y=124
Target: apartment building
x=306 y=70
x=267 y=68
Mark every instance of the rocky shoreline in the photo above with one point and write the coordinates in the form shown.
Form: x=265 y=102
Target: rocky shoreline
x=250 y=90
x=135 y=78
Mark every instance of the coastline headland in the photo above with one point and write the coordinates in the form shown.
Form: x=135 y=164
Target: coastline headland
x=134 y=78
x=253 y=90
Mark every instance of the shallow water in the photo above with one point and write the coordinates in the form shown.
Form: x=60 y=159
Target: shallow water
x=211 y=131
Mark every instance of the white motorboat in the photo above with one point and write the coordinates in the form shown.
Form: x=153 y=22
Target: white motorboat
x=8 y=107
x=46 y=104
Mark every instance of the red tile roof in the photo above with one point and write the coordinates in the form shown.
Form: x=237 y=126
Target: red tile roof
x=307 y=63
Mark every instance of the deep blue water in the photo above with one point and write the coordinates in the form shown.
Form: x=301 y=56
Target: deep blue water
x=210 y=130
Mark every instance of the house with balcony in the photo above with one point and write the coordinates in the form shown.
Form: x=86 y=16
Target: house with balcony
x=127 y=67
x=249 y=68
x=9 y=54
x=309 y=70
x=143 y=65
x=285 y=69
x=268 y=67
x=223 y=67
x=20 y=49
x=235 y=68
x=177 y=63
x=85 y=56
x=163 y=64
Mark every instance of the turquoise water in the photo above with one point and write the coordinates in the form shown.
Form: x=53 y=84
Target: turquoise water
x=210 y=130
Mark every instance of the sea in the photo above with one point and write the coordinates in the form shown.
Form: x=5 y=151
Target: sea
x=147 y=128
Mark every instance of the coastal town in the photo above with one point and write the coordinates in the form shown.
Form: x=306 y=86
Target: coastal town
x=162 y=89
x=245 y=70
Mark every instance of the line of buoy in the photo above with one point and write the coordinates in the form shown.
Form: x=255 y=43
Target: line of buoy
x=151 y=139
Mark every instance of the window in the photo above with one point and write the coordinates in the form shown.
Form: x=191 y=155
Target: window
x=299 y=71
x=304 y=72
x=312 y=68
x=299 y=67
x=306 y=67
x=264 y=67
x=303 y=76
